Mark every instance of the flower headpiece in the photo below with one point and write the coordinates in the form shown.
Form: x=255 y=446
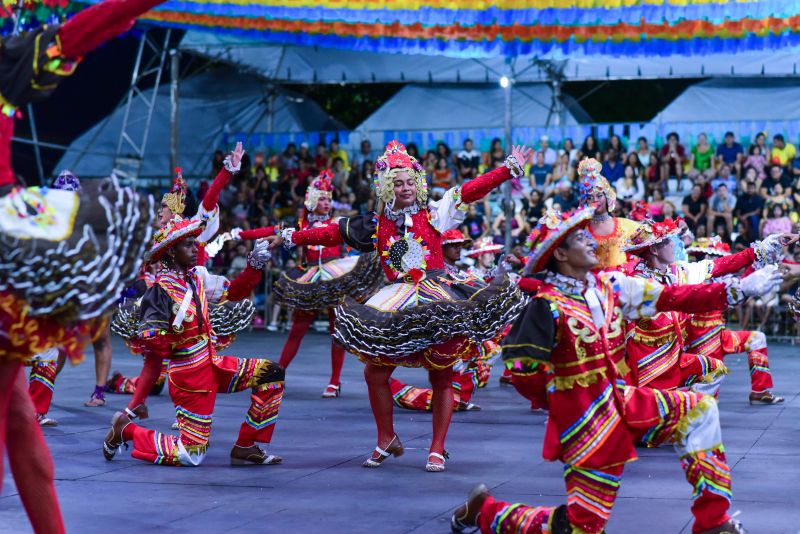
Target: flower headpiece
x=550 y=232
x=394 y=160
x=66 y=181
x=651 y=233
x=174 y=231
x=175 y=199
x=322 y=186
x=712 y=246
x=591 y=180
x=641 y=211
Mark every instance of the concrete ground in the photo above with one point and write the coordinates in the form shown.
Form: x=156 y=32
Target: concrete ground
x=321 y=486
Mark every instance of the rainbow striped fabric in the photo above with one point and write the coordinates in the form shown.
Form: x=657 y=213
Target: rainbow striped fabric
x=484 y=28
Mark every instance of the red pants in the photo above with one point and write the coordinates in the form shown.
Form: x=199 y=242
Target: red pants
x=689 y=419
x=194 y=383
x=718 y=342
x=301 y=322
x=42 y=382
x=464 y=385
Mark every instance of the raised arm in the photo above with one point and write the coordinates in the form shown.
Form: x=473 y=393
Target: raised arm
x=231 y=165
x=479 y=187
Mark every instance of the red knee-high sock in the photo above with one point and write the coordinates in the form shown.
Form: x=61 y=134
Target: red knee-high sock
x=441 y=406
x=301 y=322
x=31 y=462
x=380 y=400
x=147 y=379
x=8 y=374
x=97 y=24
x=337 y=353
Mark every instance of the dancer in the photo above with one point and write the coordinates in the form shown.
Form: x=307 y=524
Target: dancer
x=175 y=325
x=656 y=346
x=424 y=317
x=45 y=282
x=323 y=282
x=708 y=335
x=611 y=233
x=173 y=204
x=575 y=325
x=484 y=253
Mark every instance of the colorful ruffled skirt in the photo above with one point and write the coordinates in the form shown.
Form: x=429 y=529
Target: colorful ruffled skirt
x=227 y=319
x=325 y=285
x=431 y=324
x=64 y=260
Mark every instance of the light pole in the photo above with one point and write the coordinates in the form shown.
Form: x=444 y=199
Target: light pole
x=508 y=204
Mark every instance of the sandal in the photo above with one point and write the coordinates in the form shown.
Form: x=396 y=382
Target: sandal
x=332 y=391
x=395 y=449
x=97 y=399
x=434 y=467
x=465 y=518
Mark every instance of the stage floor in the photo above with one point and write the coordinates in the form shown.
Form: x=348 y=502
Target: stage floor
x=321 y=486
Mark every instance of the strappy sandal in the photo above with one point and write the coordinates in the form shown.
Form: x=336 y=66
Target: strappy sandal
x=395 y=449
x=332 y=391
x=464 y=520
x=433 y=467
x=114 y=441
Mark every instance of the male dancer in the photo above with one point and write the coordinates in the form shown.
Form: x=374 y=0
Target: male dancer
x=175 y=326
x=708 y=335
x=575 y=325
x=656 y=345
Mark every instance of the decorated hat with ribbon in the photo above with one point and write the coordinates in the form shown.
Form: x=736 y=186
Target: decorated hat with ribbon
x=322 y=186
x=590 y=180
x=66 y=181
x=175 y=198
x=484 y=245
x=550 y=232
x=712 y=246
x=455 y=237
x=393 y=161
x=651 y=233
x=173 y=232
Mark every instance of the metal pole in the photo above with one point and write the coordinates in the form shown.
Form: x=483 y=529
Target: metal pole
x=174 y=69
x=507 y=201
x=37 y=152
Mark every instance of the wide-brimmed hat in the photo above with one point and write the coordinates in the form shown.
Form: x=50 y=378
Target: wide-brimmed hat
x=484 y=245
x=712 y=246
x=651 y=233
x=453 y=237
x=550 y=232
x=174 y=231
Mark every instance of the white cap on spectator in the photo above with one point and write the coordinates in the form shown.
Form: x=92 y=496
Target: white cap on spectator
x=544 y=138
x=303 y=145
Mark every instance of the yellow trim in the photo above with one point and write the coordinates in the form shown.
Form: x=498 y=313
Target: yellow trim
x=587 y=378
x=655 y=341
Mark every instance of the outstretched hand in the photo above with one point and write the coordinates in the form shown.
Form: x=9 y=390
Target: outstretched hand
x=236 y=155
x=274 y=241
x=789 y=239
x=522 y=153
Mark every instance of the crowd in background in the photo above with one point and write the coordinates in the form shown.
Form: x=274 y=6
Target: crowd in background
x=739 y=193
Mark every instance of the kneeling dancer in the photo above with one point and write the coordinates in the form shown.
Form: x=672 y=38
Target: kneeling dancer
x=176 y=326
x=575 y=325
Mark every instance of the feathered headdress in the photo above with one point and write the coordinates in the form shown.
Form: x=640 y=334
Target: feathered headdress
x=591 y=180
x=394 y=160
x=175 y=199
x=322 y=186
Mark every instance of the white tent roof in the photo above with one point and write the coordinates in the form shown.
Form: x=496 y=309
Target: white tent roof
x=300 y=64
x=215 y=109
x=742 y=105
x=451 y=112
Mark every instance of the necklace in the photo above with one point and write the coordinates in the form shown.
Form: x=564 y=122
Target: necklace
x=600 y=217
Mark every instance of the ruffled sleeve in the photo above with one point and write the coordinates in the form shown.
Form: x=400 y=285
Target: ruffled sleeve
x=359 y=232
x=449 y=212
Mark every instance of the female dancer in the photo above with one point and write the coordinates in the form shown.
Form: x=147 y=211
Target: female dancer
x=324 y=282
x=424 y=317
